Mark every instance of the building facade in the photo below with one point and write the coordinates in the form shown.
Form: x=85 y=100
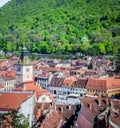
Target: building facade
x=24 y=69
x=103 y=87
x=8 y=82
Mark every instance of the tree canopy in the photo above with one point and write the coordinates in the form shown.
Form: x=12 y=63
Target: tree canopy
x=50 y=26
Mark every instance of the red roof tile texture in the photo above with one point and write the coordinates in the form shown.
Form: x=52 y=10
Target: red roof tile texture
x=103 y=83
x=9 y=100
x=11 y=73
x=69 y=81
x=30 y=86
x=95 y=105
x=40 y=108
x=85 y=119
x=1 y=86
x=66 y=110
x=53 y=121
x=115 y=111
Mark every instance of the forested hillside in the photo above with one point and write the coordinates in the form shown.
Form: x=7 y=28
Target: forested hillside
x=50 y=26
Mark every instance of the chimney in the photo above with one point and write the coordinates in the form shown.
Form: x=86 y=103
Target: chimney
x=61 y=109
x=90 y=106
x=69 y=107
x=82 y=103
x=99 y=102
x=55 y=107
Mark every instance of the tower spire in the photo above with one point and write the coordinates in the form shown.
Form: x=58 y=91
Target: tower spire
x=24 y=59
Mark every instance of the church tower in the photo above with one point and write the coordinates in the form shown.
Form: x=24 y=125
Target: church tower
x=24 y=68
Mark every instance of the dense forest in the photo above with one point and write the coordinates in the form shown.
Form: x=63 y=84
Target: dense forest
x=50 y=26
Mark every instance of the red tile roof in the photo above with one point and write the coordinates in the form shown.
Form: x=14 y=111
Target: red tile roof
x=1 y=86
x=3 y=63
x=30 y=86
x=115 y=111
x=19 y=88
x=56 y=82
x=53 y=121
x=66 y=110
x=96 y=84
x=95 y=105
x=12 y=100
x=11 y=73
x=69 y=81
x=85 y=119
x=103 y=83
x=6 y=78
x=14 y=58
x=39 y=110
x=43 y=75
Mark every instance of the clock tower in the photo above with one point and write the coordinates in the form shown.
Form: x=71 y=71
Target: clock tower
x=24 y=68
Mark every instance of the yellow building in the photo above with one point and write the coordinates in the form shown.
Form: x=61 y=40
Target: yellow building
x=103 y=87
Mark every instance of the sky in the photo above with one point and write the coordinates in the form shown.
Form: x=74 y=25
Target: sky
x=2 y=2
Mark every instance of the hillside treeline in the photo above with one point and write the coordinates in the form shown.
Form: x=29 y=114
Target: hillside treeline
x=50 y=26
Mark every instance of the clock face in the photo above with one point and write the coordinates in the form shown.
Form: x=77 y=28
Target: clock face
x=27 y=70
x=18 y=69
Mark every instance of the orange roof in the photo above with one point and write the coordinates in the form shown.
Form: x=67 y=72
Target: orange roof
x=30 y=86
x=12 y=100
x=50 y=69
x=69 y=81
x=4 y=63
x=94 y=83
x=113 y=82
x=85 y=118
x=14 y=58
x=103 y=83
x=1 y=86
x=12 y=73
x=8 y=73
x=19 y=88
x=43 y=75
x=55 y=120
x=3 y=72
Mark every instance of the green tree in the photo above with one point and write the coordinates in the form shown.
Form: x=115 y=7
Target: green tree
x=18 y=120
x=102 y=48
x=9 y=46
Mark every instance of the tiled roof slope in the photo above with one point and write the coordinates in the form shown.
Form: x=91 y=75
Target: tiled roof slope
x=69 y=81
x=103 y=83
x=12 y=100
x=85 y=119
x=56 y=82
x=53 y=121
x=40 y=108
x=95 y=105
x=11 y=73
x=1 y=86
x=80 y=83
x=115 y=112
x=66 y=110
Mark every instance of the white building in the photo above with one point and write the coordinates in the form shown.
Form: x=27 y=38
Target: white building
x=23 y=101
x=68 y=87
